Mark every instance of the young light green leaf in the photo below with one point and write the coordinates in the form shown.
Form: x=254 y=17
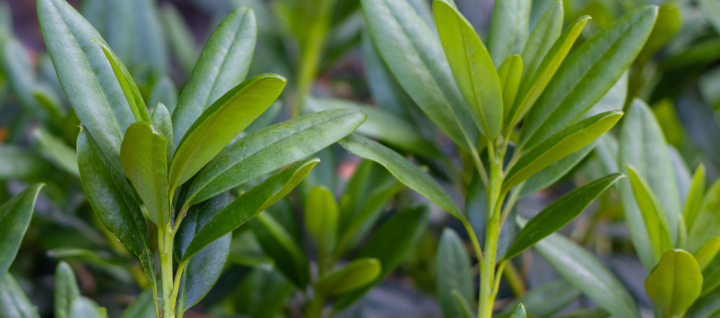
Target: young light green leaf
x=221 y=123
x=57 y=151
x=543 y=36
x=271 y=148
x=707 y=223
x=127 y=84
x=13 y=300
x=277 y=243
x=705 y=254
x=695 y=197
x=143 y=155
x=454 y=273
x=558 y=214
x=66 y=290
x=321 y=218
x=586 y=273
x=352 y=276
x=587 y=75
x=544 y=300
x=508 y=28
x=560 y=145
x=510 y=74
x=222 y=65
x=161 y=120
x=533 y=85
x=248 y=205
x=655 y=221
x=403 y=170
x=15 y=217
x=92 y=91
x=675 y=283
x=519 y=312
x=471 y=67
x=85 y=308
x=416 y=58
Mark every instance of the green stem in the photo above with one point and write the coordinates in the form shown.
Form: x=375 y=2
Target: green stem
x=165 y=244
x=176 y=285
x=316 y=306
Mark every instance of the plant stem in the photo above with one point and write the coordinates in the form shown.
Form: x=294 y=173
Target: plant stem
x=165 y=244
x=316 y=306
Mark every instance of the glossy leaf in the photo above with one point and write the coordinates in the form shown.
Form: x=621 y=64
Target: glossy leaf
x=403 y=170
x=555 y=171
x=271 y=148
x=352 y=276
x=510 y=74
x=471 y=67
x=248 y=205
x=695 y=197
x=85 y=74
x=587 y=75
x=544 y=300
x=542 y=38
x=222 y=65
x=57 y=151
x=560 y=145
x=675 y=283
x=558 y=214
x=705 y=254
x=321 y=218
x=508 y=28
x=519 y=312
x=414 y=55
x=653 y=214
x=13 y=300
x=66 y=290
x=454 y=273
x=143 y=155
x=277 y=243
x=707 y=223
x=127 y=84
x=221 y=123
x=15 y=216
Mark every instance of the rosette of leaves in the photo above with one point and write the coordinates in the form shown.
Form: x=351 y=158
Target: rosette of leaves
x=174 y=168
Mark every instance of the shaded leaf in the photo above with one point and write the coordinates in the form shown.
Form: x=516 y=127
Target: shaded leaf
x=453 y=274
x=352 y=276
x=15 y=216
x=66 y=290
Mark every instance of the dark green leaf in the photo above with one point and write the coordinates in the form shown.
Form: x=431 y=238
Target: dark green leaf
x=321 y=218
x=15 y=217
x=277 y=243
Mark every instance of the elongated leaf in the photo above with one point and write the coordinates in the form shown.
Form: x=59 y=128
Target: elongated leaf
x=510 y=74
x=558 y=214
x=453 y=273
x=142 y=306
x=57 y=151
x=86 y=308
x=15 y=217
x=352 y=276
x=220 y=124
x=113 y=200
x=248 y=205
x=695 y=197
x=162 y=122
x=66 y=290
x=127 y=84
x=587 y=75
x=471 y=67
x=203 y=269
x=222 y=65
x=552 y=173
x=544 y=300
x=560 y=145
x=383 y=125
x=403 y=170
x=415 y=56
x=321 y=218
x=675 y=283
x=586 y=273
x=145 y=161
x=271 y=148
x=705 y=254
x=542 y=38
x=707 y=223
x=277 y=243
x=653 y=214
x=13 y=300
x=85 y=74
x=509 y=28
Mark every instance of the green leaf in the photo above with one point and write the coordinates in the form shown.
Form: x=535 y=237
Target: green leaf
x=705 y=254
x=586 y=273
x=113 y=201
x=383 y=125
x=271 y=148
x=454 y=273
x=558 y=214
x=653 y=214
x=321 y=218
x=85 y=75
x=587 y=75
x=352 y=276
x=220 y=124
x=519 y=312
x=163 y=123
x=403 y=170
x=57 y=151
x=695 y=197
x=707 y=223
x=47 y=99
x=542 y=38
x=145 y=161
x=587 y=313
x=675 y=283
x=533 y=85
x=222 y=65
x=466 y=311
x=471 y=67
x=19 y=163
x=85 y=308
x=277 y=243
x=13 y=300
x=203 y=269
x=127 y=84
x=552 y=173
x=669 y=22
x=415 y=56
x=508 y=28
x=711 y=10
x=165 y=92
x=248 y=205
x=544 y=300
x=142 y=306
x=642 y=146
x=15 y=216
x=560 y=145
x=66 y=290
x=180 y=37
x=17 y=69
x=510 y=74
